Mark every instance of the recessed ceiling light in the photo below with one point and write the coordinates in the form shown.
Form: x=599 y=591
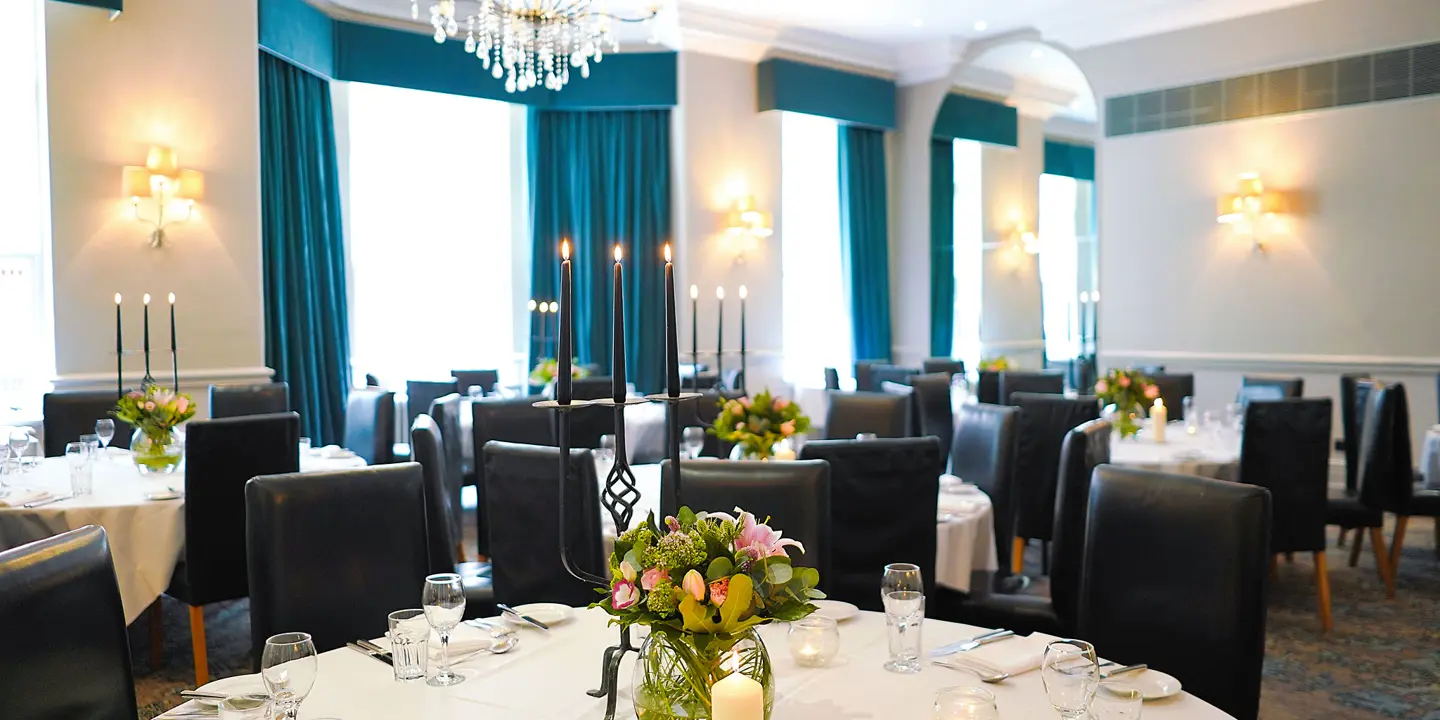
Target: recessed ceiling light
x=981 y=26
x=1036 y=53
x=917 y=22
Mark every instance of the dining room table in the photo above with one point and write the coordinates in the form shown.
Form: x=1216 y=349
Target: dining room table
x=1212 y=452
x=547 y=673
x=143 y=514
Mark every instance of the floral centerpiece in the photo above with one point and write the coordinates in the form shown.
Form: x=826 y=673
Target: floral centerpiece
x=1130 y=392
x=999 y=363
x=154 y=413
x=703 y=583
x=758 y=424
x=545 y=371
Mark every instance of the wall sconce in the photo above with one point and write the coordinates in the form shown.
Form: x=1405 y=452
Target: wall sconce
x=1024 y=238
x=745 y=226
x=162 y=180
x=1251 y=208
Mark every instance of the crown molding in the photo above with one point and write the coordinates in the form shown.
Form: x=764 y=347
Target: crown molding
x=707 y=31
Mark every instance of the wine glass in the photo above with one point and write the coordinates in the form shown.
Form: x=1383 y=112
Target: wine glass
x=903 y=593
x=444 y=603
x=288 y=666
x=1071 y=673
x=19 y=440
x=692 y=441
x=105 y=430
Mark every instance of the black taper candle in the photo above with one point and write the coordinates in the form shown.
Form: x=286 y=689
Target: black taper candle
x=672 y=341
x=617 y=364
x=119 y=351
x=743 y=294
x=720 y=338
x=695 y=336
x=147 y=335
x=567 y=313
x=174 y=357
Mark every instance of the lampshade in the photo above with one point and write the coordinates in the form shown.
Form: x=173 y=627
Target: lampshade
x=161 y=161
x=135 y=182
x=191 y=185
x=1249 y=184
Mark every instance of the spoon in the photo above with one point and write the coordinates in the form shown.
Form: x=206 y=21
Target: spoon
x=986 y=675
x=504 y=644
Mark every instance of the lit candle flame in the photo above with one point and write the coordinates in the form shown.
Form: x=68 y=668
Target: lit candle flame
x=554 y=306
x=172 y=298
x=564 y=249
x=532 y=305
x=117 y=298
x=732 y=662
x=694 y=291
x=667 y=253
x=720 y=293
x=618 y=253
x=1159 y=402
x=147 y=298
x=743 y=292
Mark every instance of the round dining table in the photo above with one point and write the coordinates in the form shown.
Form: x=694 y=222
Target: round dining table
x=146 y=536
x=546 y=675
x=1210 y=452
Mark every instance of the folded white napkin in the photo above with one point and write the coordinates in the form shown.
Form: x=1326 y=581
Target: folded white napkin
x=335 y=452
x=465 y=640
x=1013 y=655
x=17 y=497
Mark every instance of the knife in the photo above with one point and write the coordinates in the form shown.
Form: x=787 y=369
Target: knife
x=46 y=501
x=372 y=647
x=511 y=611
x=972 y=643
x=1126 y=669
x=202 y=695
x=369 y=653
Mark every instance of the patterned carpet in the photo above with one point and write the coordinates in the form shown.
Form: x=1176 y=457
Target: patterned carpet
x=1381 y=661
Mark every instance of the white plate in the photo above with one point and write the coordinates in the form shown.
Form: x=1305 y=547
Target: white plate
x=835 y=610
x=551 y=614
x=164 y=495
x=1152 y=684
x=238 y=685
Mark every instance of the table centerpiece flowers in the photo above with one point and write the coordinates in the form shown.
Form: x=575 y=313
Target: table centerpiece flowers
x=1126 y=394
x=702 y=583
x=155 y=412
x=545 y=371
x=998 y=363
x=757 y=425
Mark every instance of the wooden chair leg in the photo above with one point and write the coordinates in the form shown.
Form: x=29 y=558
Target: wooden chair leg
x=1272 y=568
x=1017 y=556
x=1397 y=544
x=1322 y=590
x=1355 y=548
x=197 y=643
x=1340 y=542
x=1377 y=543
x=156 y=617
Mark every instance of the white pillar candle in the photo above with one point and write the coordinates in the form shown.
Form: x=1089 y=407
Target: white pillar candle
x=737 y=697
x=1158 y=417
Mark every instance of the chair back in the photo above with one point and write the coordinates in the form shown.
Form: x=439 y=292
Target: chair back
x=445 y=411
x=1351 y=409
x=933 y=413
x=510 y=420
x=1174 y=388
x=370 y=425
x=832 y=379
x=983 y=453
x=899 y=374
x=443 y=522
x=1050 y=382
x=864 y=377
x=987 y=387
x=883 y=504
x=1386 y=474
x=1044 y=422
x=795 y=495
x=1269 y=388
x=334 y=552
x=701 y=412
x=522 y=513
x=1175 y=577
x=220 y=457
x=951 y=367
x=486 y=379
x=419 y=394
x=1286 y=450
x=1086 y=447
x=61 y=616
x=371 y=381
x=849 y=414
x=240 y=400
x=70 y=414
x=593 y=387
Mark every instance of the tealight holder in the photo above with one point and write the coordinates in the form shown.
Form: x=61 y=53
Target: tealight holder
x=814 y=641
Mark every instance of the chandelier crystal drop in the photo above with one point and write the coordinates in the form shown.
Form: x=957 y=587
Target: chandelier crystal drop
x=531 y=43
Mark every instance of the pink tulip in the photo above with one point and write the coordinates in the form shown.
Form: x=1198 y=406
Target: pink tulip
x=182 y=404
x=787 y=428
x=694 y=583
x=745 y=401
x=652 y=577
x=781 y=403
x=760 y=541
x=1152 y=391
x=735 y=408
x=1124 y=381
x=150 y=405
x=719 y=590
x=627 y=571
x=623 y=595
x=1102 y=387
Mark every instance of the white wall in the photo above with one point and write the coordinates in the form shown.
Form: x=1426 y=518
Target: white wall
x=1010 y=321
x=1348 y=287
x=182 y=73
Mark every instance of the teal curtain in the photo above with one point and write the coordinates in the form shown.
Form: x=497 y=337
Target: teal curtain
x=307 y=339
x=942 y=247
x=600 y=178
x=865 y=240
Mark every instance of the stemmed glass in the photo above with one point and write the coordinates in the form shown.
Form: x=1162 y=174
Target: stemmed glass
x=903 y=594
x=288 y=666
x=692 y=441
x=444 y=603
x=19 y=440
x=1071 y=673
x=105 y=430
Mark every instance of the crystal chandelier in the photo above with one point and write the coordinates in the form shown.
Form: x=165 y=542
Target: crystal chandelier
x=531 y=43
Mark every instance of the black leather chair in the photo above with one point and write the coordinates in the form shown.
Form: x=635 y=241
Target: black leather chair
x=486 y=379
x=932 y=412
x=883 y=505
x=1174 y=576
x=419 y=394
x=795 y=495
x=1050 y=382
x=220 y=456
x=241 y=400
x=931 y=366
x=523 y=517
x=832 y=379
x=1174 y=388
x=864 y=379
x=60 y=613
x=898 y=374
x=1044 y=422
x=446 y=413
x=1350 y=511
x=1085 y=448
x=1349 y=444
x=370 y=425
x=512 y=420
x=983 y=453
x=68 y=415
x=1269 y=388
x=444 y=518
x=701 y=412
x=1286 y=450
x=334 y=553
x=371 y=381
x=987 y=387
x=1151 y=370
x=593 y=387
x=849 y=414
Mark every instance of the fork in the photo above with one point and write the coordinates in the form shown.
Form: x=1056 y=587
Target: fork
x=987 y=675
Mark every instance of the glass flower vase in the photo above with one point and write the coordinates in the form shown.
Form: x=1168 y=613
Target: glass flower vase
x=675 y=670
x=156 y=455
x=1126 y=423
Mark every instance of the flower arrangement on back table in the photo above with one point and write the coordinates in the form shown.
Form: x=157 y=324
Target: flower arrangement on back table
x=545 y=371
x=1130 y=391
x=757 y=424
x=999 y=363
x=154 y=413
x=702 y=583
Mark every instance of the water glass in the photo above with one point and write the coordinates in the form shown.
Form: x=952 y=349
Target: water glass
x=965 y=703
x=91 y=441
x=305 y=445
x=814 y=640
x=409 y=643
x=444 y=603
x=692 y=441
x=82 y=468
x=1116 y=701
x=250 y=706
x=475 y=392
x=866 y=436
x=288 y=667
x=105 y=431
x=1192 y=419
x=1071 y=673
x=903 y=594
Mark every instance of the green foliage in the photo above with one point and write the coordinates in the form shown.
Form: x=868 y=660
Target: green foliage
x=546 y=370
x=758 y=423
x=155 y=410
x=1126 y=390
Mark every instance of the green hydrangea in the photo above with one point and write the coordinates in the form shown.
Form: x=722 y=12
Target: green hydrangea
x=678 y=551
x=643 y=540
x=661 y=600
x=719 y=532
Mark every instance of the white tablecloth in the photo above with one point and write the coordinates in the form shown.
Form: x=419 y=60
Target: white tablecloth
x=1430 y=458
x=1212 y=454
x=545 y=678
x=146 y=536
x=644 y=430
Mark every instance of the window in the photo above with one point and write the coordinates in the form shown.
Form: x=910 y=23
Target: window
x=969 y=252
x=29 y=363
x=1065 y=237
x=430 y=240
x=816 y=304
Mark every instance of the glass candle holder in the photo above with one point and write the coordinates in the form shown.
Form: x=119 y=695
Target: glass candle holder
x=814 y=641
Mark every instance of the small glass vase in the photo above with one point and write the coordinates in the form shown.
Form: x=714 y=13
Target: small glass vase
x=675 y=670
x=159 y=456
x=1126 y=423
